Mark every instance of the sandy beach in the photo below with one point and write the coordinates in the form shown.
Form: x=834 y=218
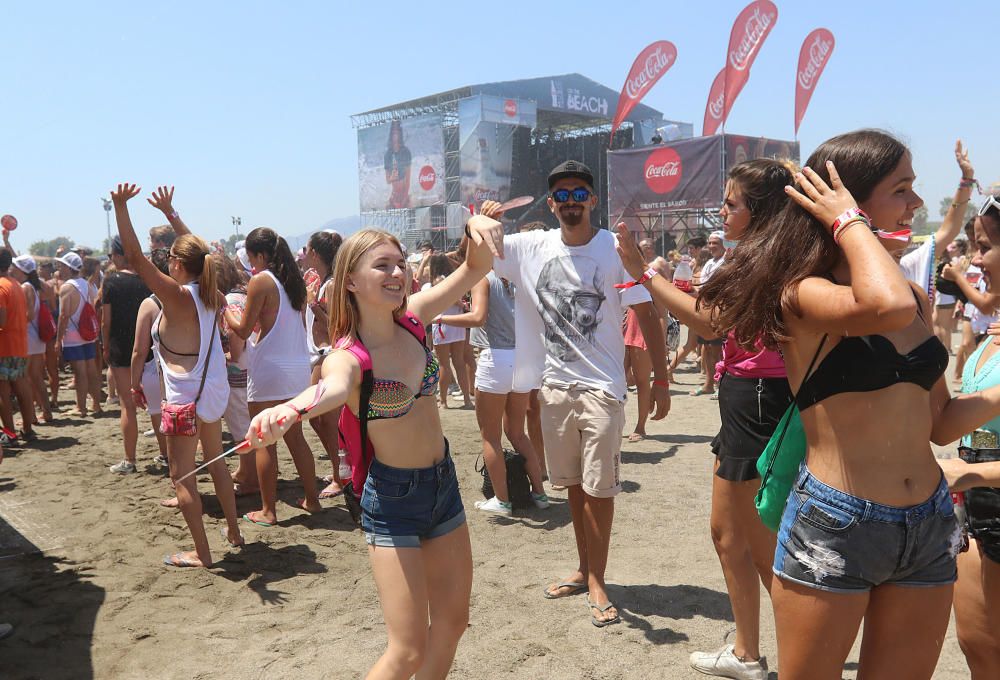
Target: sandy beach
x=82 y=581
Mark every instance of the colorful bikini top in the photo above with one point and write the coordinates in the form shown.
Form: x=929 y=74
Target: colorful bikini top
x=393 y=399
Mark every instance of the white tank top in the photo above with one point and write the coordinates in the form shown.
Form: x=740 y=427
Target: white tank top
x=316 y=353
x=182 y=388
x=72 y=336
x=278 y=364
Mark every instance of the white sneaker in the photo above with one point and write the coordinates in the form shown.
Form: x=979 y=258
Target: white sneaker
x=149 y=433
x=495 y=505
x=123 y=468
x=723 y=663
x=540 y=500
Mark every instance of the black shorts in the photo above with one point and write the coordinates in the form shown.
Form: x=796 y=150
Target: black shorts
x=749 y=418
x=982 y=506
x=712 y=342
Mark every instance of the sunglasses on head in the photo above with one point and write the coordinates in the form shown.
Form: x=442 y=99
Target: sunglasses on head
x=990 y=202
x=580 y=195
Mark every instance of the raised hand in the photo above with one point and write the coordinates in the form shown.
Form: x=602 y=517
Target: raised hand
x=825 y=203
x=163 y=200
x=949 y=273
x=628 y=251
x=962 y=157
x=124 y=192
x=491 y=209
x=488 y=230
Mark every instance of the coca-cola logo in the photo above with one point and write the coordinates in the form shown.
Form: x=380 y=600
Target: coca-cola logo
x=510 y=108
x=818 y=52
x=753 y=32
x=717 y=104
x=656 y=63
x=663 y=170
x=485 y=195
x=427 y=178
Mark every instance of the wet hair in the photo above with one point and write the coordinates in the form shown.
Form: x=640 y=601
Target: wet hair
x=160 y=257
x=794 y=246
x=344 y=310
x=440 y=265
x=326 y=245
x=164 y=234
x=281 y=262
x=192 y=252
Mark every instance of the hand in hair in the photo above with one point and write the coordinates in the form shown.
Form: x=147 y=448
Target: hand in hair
x=825 y=203
x=125 y=192
x=962 y=157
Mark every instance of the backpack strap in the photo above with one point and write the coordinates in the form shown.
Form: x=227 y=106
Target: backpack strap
x=415 y=326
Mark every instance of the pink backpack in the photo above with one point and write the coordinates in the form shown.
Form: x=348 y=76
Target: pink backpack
x=354 y=428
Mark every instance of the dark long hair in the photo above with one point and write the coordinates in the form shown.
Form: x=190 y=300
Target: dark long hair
x=33 y=279
x=770 y=262
x=281 y=262
x=326 y=244
x=440 y=265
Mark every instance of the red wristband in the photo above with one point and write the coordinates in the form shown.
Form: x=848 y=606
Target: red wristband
x=646 y=276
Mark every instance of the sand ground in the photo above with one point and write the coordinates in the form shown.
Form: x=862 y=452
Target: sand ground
x=81 y=575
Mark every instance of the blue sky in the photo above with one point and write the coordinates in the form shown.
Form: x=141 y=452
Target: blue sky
x=246 y=107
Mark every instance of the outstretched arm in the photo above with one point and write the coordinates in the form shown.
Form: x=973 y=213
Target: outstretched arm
x=480 y=308
x=163 y=200
x=680 y=304
x=341 y=377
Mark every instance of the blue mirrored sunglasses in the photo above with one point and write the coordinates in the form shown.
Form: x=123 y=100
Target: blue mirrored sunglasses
x=580 y=195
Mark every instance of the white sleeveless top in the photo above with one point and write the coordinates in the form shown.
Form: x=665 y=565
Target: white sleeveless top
x=71 y=338
x=35 y=344
x=316 y=354
x=182 y=388
x=278 y=364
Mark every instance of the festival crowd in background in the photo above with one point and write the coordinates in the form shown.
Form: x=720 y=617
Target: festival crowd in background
x=812 y=318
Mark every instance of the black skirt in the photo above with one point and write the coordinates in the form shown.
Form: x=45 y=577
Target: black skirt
x=750 y=409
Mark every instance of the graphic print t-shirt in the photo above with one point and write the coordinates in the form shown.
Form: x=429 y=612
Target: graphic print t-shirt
x=567 y=311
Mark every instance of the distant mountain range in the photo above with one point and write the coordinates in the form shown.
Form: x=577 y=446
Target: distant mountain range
x=345 y=226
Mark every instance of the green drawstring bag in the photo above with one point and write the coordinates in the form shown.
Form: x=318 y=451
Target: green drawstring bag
x=779 y=464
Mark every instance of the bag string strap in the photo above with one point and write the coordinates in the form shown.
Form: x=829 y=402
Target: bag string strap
x=204 y=369
x=781 y=437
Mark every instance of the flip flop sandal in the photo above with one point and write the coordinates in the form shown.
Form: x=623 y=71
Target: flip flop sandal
x=258 y=522
x=575 y=586
x=600 y=623
x=327 y=493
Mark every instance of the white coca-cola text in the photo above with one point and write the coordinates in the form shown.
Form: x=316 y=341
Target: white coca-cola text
x=716 y=106
x=428 y=177
x=669 y=169
x=818 y=52
x=656 y=63
x=757 y=24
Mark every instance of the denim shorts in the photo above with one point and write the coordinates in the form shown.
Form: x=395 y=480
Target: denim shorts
x=402 y=506
x=830 y=540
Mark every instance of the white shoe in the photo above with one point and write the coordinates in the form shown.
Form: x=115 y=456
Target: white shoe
x=723 y=663
x=149 y=433
x=495 y=505
x=540 y=500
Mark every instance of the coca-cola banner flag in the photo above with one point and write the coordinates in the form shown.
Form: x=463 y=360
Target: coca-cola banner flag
x=715 y=109
x=647 y=68
x=749 y=32
x=685 y=174
x=401 y=164
x=813 y=56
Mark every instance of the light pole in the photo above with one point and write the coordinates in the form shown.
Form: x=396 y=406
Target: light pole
x=107 y=217
x=237 y=221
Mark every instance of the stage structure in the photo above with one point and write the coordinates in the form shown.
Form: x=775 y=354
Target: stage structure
x=674 y=190
x=422 y=162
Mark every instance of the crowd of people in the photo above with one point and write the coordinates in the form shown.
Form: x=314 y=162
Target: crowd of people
x=810 y=300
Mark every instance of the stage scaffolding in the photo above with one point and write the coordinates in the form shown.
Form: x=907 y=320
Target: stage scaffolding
x=559 y=134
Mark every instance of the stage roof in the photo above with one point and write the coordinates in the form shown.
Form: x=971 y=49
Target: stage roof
x=568 y=99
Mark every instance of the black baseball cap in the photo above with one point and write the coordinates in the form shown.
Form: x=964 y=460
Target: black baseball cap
x=571 y=169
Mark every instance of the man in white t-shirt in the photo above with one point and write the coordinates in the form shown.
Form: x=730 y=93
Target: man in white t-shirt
x=572 y=295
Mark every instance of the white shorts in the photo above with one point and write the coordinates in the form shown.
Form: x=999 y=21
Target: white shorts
x=495 y=371
x=151 y=387
x=237 y=415
x=443 y=334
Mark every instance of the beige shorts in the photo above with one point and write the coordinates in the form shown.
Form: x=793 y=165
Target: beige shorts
x=582 y=431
